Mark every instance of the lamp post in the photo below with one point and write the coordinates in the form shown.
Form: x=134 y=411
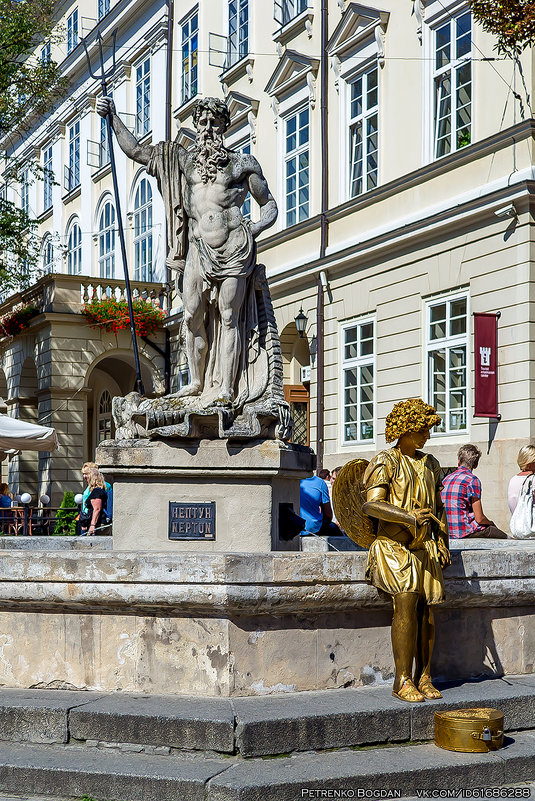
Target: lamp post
x=25 y=500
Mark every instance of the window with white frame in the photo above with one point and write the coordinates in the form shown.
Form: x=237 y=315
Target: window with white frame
x=447 y=371
x=244 y=147
x=48 y=178
x=74 y=249
x=25 y=191
x=106 y=241
x=285 y=10
x=103 y=8
x=363 y=132
x=358 y=359
x=190 y=48
x=46 y=53
x=297 y=166
x=238 y=31
x=73 y=170
x=143 y=98
x=452 y=84
x=104 y=143
x=143 y=232
x=48 y=256
x=72 y=30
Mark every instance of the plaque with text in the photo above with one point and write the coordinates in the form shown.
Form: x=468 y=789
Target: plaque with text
x=192 y=521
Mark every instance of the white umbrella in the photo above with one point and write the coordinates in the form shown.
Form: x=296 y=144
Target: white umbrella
x=16 y=435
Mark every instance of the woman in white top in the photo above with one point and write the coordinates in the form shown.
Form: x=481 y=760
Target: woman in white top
x=526 y=463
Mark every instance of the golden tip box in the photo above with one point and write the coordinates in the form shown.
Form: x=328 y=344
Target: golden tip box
x=475 y=730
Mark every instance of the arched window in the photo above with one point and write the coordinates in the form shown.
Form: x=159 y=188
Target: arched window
x=74 y=250
x=48 y=256
x=143 y=232
x=104 y=417
x=106 y=241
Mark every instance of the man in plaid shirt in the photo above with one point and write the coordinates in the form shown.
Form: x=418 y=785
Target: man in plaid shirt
x=461 y=496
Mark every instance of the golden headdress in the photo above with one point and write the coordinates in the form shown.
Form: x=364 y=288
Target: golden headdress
x=410 y=415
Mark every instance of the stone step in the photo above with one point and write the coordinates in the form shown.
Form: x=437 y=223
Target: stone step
x=254 y=726
x=75 y=771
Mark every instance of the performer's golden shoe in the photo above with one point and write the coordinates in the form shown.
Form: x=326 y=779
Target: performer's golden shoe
x=408 y=692
x=426 y=687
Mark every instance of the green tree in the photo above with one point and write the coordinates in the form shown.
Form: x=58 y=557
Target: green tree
x=66 y=517
x=511 y=21
x=30 y=82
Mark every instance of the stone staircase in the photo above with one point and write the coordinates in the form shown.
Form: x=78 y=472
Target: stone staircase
x=57 y=743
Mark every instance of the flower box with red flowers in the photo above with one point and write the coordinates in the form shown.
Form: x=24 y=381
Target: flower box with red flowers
x=14 y=323
x=109 y=314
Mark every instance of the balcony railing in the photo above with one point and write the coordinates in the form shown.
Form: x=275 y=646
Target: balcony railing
x=66 y=294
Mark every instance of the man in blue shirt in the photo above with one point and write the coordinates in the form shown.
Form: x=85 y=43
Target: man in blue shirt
x=316 y=507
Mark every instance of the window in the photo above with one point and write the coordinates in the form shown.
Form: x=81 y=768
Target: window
x=72 y=30
x=143 y=98
x=45 y=54
x=143 y=232
x=103 y=8
x=48 y=178
x=297 y=172
x=453 y=85
x=104 y=417
x=104 y=144
x=363 y=132
x=106 y=241
x=286 y=10
x=190 y=46
x=25 y=192
x=48 y=256
x=358 y=381
x=238 y=30
x=73 y=170
x=447 y=346
x=74 y=250
x=245 y=147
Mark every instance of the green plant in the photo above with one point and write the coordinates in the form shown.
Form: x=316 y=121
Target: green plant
x=511 y=21
x=463 y=138
x=112 y=315
x=66 y=517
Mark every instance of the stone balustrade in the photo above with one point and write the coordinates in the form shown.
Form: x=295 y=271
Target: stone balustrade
x=63 y=293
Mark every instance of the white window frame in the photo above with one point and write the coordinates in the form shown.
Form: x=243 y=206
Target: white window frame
x=284 y=11
x=357 y=363
x=48 y=255
x=189 y=89
x=74 y=248
x=46 y=53
x=48 y=177
x=25 y=191
x=447 y=342
x=363 y=118
x=143 y=239
x=106 y=240
x=104 y=416
x=103 y=8
x=72 y=31
x=143 y=97
x=73 y=170
x=452 y=69
x=295 y=153
x=238 y=31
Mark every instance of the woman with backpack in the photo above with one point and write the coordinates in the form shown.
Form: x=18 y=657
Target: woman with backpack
x=526 y=463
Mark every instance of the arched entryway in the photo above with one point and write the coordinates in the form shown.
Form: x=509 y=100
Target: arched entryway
x=110 y=376
x=296 y=372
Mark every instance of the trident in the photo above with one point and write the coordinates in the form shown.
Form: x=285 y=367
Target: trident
x=102 y=78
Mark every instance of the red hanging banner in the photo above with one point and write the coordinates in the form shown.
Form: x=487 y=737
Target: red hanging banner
x=486 y=362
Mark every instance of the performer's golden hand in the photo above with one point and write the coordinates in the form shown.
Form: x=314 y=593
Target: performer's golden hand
x=444 y=555
x=422 y=516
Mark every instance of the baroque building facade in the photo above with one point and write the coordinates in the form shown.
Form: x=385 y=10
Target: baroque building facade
x=399 y=149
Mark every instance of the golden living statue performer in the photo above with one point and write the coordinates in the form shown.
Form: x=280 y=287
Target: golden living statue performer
x=408 y=538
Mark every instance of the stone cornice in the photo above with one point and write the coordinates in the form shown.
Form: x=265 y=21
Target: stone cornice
x=242 y=584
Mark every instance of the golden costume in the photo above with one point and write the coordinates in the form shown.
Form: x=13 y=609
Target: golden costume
x=397 y=563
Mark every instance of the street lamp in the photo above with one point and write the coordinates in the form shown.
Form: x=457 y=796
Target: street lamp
x=301 y=322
